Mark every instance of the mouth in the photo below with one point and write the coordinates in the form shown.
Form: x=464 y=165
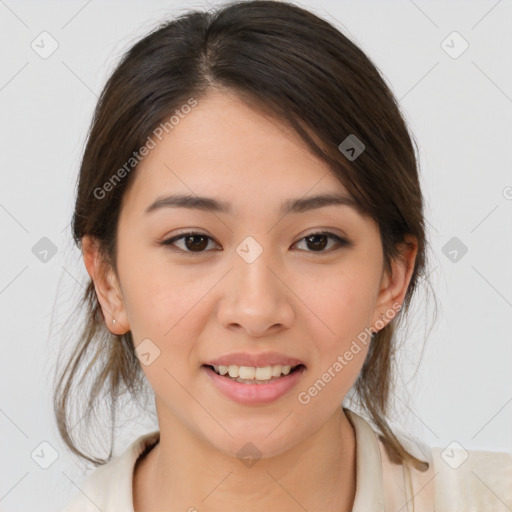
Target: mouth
x=254 y=375
x=254 y=386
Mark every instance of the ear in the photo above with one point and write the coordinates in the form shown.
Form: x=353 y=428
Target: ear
x=107 y=287
x=394 y=284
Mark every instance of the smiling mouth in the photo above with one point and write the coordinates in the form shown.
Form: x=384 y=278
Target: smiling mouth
x=252 y=375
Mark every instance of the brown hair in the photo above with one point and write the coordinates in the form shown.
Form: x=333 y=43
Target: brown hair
x=296 y=67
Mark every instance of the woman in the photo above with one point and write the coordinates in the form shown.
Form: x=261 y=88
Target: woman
x=250 y=215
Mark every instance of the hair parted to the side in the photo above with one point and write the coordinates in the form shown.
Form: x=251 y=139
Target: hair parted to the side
x=292 y=65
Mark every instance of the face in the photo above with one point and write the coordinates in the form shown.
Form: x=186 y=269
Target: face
x=252 y=280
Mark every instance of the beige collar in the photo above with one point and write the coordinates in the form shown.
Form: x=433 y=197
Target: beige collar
x=382 y=485
x=369 y=480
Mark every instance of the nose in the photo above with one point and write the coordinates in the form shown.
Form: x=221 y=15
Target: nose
x=255 y=299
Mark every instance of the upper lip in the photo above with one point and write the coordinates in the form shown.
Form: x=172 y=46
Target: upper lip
x=255 y=360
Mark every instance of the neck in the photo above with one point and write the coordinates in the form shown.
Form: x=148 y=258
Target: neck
x=183 y=472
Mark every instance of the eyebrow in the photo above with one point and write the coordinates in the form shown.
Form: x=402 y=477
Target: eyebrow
x=210 y=204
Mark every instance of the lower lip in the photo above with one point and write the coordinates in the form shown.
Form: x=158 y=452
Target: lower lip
x=252 y=394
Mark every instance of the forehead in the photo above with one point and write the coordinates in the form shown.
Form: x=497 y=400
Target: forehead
x=225 y=149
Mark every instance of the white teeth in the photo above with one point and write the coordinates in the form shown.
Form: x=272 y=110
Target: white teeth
x=233 y=370
x=251 y=372
x=264 y=373
x=276 y=371
x=286 y=369
x=246 y=372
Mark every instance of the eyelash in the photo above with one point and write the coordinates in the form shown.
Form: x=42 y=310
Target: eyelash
x=342 y=242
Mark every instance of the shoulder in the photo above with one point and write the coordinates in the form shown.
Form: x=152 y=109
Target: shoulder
x=472 y=479
x=456 y=479
x=109 y=487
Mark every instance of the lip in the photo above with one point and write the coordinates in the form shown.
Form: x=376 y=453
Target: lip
x=255 y=360
x=254 y=394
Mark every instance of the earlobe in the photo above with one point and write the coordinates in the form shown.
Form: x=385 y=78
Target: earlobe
x=106 y=286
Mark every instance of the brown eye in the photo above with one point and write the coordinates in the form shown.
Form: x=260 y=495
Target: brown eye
x=192 y=242
x=317 y=242
x=196 y=242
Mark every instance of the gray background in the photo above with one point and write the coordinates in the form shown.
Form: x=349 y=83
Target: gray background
x=460 y=110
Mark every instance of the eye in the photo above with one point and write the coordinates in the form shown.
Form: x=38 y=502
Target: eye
x=319 y=240
x=195 y=242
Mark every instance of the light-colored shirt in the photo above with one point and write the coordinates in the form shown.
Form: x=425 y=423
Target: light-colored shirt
x=457 y=480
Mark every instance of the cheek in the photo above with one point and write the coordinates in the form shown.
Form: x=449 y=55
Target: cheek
x=166 y=309
x=159 y=310
x=155 y=293
x=344 y=302
x=345 y=308
x=167 y=305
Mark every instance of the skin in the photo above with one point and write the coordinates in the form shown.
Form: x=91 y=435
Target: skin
x=293 y=299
